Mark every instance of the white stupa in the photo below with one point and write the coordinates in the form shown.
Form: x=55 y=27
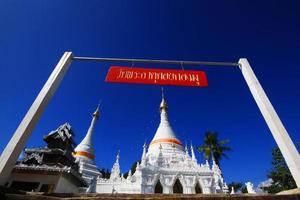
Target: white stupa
x=166 y=167
x=85 y=156
x=165 y=136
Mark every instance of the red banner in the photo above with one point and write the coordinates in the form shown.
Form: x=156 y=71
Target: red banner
x=119 y=74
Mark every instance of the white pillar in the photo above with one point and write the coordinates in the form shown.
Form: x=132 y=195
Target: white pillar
x=13 y=149
x=275 y=125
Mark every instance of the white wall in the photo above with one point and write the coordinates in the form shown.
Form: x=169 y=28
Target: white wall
x=42 y=179
x=61 y=183
x=64 y=185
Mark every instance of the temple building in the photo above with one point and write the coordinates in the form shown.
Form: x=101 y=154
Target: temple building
x=166 y=167
x=51 y=168
x=59 y=167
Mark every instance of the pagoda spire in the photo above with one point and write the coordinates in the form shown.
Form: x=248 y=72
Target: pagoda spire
x=143 y=160
x=207 y=163
x=193 y=154
x=115 y=171
x=163 y=105
x=85 y=150
x=186 y=150
x=215 y=166
x=118 y=157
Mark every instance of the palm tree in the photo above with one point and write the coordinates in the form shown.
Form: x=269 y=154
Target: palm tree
x=212 y=146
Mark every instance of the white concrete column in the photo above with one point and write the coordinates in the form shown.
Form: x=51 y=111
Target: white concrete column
x=274 y=123
x=193 y=191
x=209 y=190
x=189 y=190
x=16 y=144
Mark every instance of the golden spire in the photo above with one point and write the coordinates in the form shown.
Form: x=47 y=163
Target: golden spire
x=96 y=114
x=163 y=104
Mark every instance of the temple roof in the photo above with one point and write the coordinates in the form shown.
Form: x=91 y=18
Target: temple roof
x=61 y=138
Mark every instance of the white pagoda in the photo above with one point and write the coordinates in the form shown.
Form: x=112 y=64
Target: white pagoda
x=85 y=156
x=166 y=167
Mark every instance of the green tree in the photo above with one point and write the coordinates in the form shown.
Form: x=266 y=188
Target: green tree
x=280 y=173
x=212 y=146
x=105 y=173
x=236 y=186
x=244 y=189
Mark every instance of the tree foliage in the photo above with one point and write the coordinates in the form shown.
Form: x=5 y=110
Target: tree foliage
x=280 y=173
x=212 y=146
x=105 y=173
x=238 y=187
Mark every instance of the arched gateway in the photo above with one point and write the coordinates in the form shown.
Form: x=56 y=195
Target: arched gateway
x=158 y=187
x=198 y=189
x=177 y=187
x=13 y=149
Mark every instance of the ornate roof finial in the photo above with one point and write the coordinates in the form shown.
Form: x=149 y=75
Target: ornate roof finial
x=163 y=104
x=129 y=175
x=193 y=153
x=118 y=156
x=137 y=166
x=143 y=160
x=186 y=149
x=96 y=114
x=207 y=163
x=115 y=171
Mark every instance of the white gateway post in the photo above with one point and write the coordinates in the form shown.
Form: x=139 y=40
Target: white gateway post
x=16 y=144
x=274 y=123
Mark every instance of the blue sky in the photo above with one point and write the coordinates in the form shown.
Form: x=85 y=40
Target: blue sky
x=34 y=35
